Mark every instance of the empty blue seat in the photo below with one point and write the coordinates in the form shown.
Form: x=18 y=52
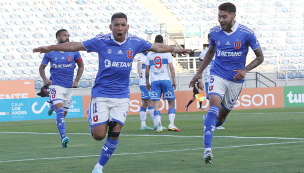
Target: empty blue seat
x=281 y=76
x=299 y=75
x=83 y=84
x=290 y=75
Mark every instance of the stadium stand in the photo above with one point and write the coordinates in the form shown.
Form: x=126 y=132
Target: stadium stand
x=28 y=24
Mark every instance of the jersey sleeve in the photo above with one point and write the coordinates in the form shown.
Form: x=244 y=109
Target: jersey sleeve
x=45 y=59
x=148 y=59
x=170 y=59
x=144 y=45
x=212 y=41
x=202 y=55
x=77 y=56
x=139 y=59
x=91 y=45
x=253 y=42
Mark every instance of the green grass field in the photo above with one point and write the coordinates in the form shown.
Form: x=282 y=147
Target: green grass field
x=260 y=140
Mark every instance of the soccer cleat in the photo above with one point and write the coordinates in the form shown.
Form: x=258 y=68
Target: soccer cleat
x=201 y=108
x=208 y=156
x=173 y=128
x=65 y=142
x=204 y=116
x=186 y=107
x=51 y=109
x=97 y=170
x=146 y=128
x=219 y=127
x=159 y=130
x=155 y=127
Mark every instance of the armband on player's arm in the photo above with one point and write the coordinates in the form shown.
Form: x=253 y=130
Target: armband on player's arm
x=79 y=60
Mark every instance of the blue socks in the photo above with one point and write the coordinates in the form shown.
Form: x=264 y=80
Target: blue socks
x=209 y=125
x=150 y=107
x=60 y=122
x=107 y=150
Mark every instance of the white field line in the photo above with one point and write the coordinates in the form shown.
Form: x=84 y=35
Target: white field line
x=175 y=136
x=153 y=152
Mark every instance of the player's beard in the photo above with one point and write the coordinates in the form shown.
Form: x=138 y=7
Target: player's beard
x=63 y=41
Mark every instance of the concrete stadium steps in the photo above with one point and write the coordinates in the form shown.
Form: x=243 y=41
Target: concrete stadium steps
x=159 y=11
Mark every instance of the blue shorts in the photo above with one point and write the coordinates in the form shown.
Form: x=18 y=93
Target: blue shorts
x=144 y=92
x=161 y=87
x=206 y=88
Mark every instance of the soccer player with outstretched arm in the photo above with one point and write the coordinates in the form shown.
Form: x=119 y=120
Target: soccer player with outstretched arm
x=230 y=42
x=61 y=82
x=109 y=105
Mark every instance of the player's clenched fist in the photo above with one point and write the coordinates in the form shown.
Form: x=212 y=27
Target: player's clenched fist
x=42 y=49
x=47 y=82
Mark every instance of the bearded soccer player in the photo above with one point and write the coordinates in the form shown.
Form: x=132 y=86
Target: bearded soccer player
x=61 y=80
x=230 y=41
x=109 y=105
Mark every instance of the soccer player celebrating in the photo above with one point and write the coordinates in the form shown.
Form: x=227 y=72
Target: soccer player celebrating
x=230 y=42
x=109 y=105
x=145 y=98
x=160 y=84
x=61 y=80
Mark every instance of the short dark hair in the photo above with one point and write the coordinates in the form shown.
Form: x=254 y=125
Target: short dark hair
x=228 y=7
x=59 y=31
x=159 y=39
x=209 y=36
x=119 y=15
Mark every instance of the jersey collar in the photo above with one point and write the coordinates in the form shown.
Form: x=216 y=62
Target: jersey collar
x=234 y=28
x=112 y=37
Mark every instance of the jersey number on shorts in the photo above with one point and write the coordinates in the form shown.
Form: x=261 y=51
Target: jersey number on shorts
x=211 y=79
x=158 y=62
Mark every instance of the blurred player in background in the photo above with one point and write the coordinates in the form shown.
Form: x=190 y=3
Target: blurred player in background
x=145 y=98
x=61 y=81
x=230 y=41
x=160 y=63
x=206 y=75
x=195 y=94
x=109 y=105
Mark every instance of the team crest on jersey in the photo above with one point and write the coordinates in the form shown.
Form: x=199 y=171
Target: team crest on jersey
x=55 y=58
x=109 y=51
x=130 y=53
x=237 y=44
x=218 y=42
x=70 y=58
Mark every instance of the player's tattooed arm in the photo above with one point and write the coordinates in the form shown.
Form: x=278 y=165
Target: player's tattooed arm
x=148 y=86
x=207 y=59
x=79 y=74
x=172 y=72
x=46 y=81
x=256 y=62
